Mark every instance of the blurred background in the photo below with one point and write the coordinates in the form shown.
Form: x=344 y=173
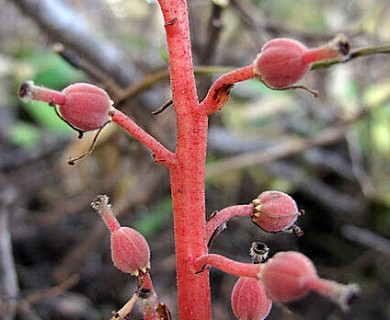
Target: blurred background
x=331 y=153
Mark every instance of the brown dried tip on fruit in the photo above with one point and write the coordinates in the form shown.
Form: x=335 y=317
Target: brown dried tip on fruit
x=341 y=44
x=275 y=211
x=25 y=90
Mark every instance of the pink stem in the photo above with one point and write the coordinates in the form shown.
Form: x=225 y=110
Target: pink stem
x=224 y=215
x=227 y=265
x=161 y=154
x=28 y=90
x=218 y=94
x=149 y=305
x=339 y=293
x=187 y=174
x=102 y=206
x=319 y=54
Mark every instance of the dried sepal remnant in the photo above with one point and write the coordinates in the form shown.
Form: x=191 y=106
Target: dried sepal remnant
x=100 y=203
x=259 y=252
x=24 y=92
x=103 y=207
x=274 y=211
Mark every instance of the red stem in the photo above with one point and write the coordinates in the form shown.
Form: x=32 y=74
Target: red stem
x=227 y=265
x=319 y=54
x=218 y=94
x=161 y=154
x=187 y=175
x=225 y=214
x=148 y=305
x=28 y=90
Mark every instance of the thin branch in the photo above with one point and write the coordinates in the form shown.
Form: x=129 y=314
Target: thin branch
x=361 y=175
x=160 y=75
x=24 y=306
x=65 y=26
x=224 y=215
x=218 y=94
x=366 y=238
x=227 y=265
x=53 y=291
x=214 y=28
x=325 y=137
x=161 y=154
x=126 y=309
x=356 y=53
x=9 y=289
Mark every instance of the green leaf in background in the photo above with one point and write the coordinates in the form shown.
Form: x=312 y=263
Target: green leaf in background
x=377 y=94
x=24 y=134
x=50 y=70
x=158 y=217
x=46 y=117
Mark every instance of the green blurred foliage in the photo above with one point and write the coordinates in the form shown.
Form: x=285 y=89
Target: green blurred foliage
x=157 y=218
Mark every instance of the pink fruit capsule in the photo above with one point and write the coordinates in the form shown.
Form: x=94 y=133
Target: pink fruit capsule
x=274 y=211
x=283 y=62
x=83 y=106
x=280 y=63
x=249 y=300
x=130 y=251
x=290 y=275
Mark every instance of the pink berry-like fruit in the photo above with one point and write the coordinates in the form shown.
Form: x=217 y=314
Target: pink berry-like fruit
x=82 y=105
x=249 y=300
x=86 y=106
x=283 y=62
x=130 y=251
x=280 y=63
x=285 y=276
x=290 y=275
x=274 y=211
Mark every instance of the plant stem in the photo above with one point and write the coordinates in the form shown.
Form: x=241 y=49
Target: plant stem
x=245 y=210
x=227 y=265
x=356 y=53
x=161 y=154
x=126 y=309
x=187 y=175
x=102 y=206
x=218 y=94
